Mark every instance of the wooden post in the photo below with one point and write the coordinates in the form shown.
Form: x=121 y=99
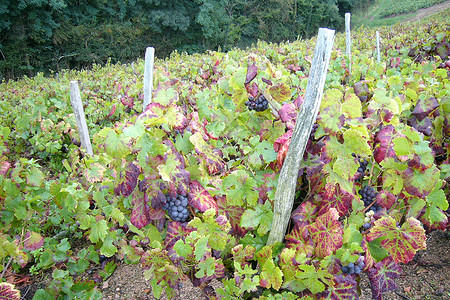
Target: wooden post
x=348 y=49
x=378 y=47
x=148 y=75
x=287 y=181
x=77 y=105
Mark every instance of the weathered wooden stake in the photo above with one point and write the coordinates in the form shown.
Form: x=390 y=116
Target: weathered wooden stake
x=348 y=49
x=148 y=75
x=378 y=47
x=77 y=105
x=287 y=181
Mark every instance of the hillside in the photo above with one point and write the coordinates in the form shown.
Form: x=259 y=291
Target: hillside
x=185 y=190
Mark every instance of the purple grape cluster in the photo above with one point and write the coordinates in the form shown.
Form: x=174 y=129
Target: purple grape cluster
x=362 y=165
x=258 y=104
x=354 y=268
x=368 y=194
x=176 y=207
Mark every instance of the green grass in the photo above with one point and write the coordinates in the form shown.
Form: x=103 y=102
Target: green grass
x=372 y=16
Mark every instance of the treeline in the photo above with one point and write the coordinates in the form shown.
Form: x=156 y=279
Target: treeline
x=42 y=35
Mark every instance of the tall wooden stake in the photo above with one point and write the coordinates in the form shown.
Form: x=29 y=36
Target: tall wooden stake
x=378 y=47
x=77 y=105
x=287 y=181
x=148 y=75
x=348 y=49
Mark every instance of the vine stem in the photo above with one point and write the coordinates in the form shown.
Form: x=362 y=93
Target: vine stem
x=6 y=268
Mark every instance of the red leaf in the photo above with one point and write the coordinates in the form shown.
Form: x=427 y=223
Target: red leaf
x=424 y=107
x=304 y=214
x=127 y=186
x=200 y=198
x=175 y=231
x=386 y=199
x=8 y=292
x=112 y=111
x=327 y=233
x=341 y=200
x=252 y=89
x=33 y=241
x=299 y=240
x=382 y=276
x=288 y=114
x=4 y=167
x=140 y=210
x=252 y=71
x=402 y=243
x=344 y=288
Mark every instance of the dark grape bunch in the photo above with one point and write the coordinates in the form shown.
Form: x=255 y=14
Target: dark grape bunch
x=362 y=164
x=258 y=104
x=354 y=268
x=176 y=207
x=368 y=194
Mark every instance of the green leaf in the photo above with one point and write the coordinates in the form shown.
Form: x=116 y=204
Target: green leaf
x=402 y=146
x=182 y=249
x=200 y=247
x=108 y=249
x=35 y=177
x=239 y=187
x=312 y=278
x=99 y=231
x=95 y=172
x=115 y=145
x=437 y=198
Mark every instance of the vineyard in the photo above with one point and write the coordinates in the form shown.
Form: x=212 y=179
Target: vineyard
x=401 y=7
x=186 y=187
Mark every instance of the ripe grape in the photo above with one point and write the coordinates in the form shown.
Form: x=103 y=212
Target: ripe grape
x=258 y=104
x=176 y=207
x=366 y=226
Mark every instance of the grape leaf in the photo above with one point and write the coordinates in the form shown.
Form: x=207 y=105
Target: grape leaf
x=252 y=71
x=344 y=288
x=351 y=107
x=402 y=243
x=99 y=230
x=261 y=216
x=424 y=107
x=139 y=212
x=382 y=276
x=127 y=186
x=420 y=183
x=271 y=275
x=33 y=241
x=304 y=214
x=299 y=240
x=8 y=291
x=35 y=177
x=326 y=232
x=115 y=144
x=234 y=214
x=94 y=173
x=340 y=200
x=280 y=92
x=175 y=231
x=239 y=187
x=200 y=198
x=313 y=278
x=214 y=162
